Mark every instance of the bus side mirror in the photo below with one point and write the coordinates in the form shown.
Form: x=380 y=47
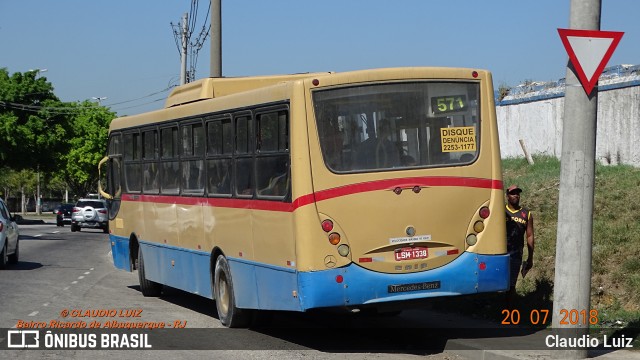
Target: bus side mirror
x=102 y=192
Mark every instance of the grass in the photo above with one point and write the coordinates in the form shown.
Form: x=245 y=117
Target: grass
x=615 y=279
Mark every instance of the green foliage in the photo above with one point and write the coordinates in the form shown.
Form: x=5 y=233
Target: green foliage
x=615 y=279
x=86 y=146
x=615 y=275
x=24 y=133
x=62 y=141
x=13 y=182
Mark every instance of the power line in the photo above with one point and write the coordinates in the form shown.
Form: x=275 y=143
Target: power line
x=67 y=110
x=147 y=103
x=143 y=97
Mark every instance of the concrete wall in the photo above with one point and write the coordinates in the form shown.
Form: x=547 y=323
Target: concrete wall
x=538 y=121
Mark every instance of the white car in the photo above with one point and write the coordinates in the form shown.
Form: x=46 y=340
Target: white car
x=8 y=237
x=90 y=213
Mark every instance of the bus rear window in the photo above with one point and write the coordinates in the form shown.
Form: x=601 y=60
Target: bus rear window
x=398 y=126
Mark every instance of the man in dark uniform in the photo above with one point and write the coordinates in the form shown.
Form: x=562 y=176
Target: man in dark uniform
x=519 y=223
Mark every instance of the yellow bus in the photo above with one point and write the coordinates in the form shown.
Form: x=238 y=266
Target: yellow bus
x=358 y=190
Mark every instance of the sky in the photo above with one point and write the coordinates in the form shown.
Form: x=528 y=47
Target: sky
x=125 y=50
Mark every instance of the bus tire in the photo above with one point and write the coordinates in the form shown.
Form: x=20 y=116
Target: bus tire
x=229 y=315
x=147 y=287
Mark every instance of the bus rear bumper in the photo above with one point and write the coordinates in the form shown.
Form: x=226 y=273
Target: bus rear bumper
x=353 y=285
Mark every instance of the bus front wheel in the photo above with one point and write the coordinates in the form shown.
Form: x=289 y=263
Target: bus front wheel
x=147 y=287
x=228 y=313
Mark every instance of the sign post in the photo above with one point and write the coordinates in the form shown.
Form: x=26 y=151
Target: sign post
x=589 y=50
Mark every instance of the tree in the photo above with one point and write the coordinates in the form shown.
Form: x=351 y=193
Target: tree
x=85 y=146
x=26 y=132
x=58 y=140
x=13 y=183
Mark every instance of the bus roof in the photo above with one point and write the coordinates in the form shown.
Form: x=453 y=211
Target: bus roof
x=194 y=98
x=210 y=88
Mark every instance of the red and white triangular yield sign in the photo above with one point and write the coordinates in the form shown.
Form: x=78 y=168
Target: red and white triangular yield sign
x=589 y=52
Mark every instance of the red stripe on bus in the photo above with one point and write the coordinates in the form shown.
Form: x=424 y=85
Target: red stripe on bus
x=388 y=184
x=218 y=202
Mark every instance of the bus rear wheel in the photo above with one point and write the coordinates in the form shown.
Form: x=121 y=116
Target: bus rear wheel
x=147 y=287
x=228 y=313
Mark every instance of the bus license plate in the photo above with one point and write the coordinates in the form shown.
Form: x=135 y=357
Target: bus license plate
x=411 y=253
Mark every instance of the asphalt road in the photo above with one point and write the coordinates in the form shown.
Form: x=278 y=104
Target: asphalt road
x=61 y=275
x=69 y=278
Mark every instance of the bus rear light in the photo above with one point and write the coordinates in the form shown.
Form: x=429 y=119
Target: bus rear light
x=327 y=225
x=472 y=239
x=482 y=266
x=474 y=74
x=315 y=82
x=484 y=212
x=339 y=279
x=343 y=250
x=365 y=260
x=453 y=252
x=334 y=238
x=478 y=226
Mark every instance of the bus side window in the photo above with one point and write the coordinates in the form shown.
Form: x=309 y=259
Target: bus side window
x=192 y=164
x=219 y=150
x=272 y=153
x=219 y=172
x=244 y=141
x=273 y=174
x=169 y=164
x=244 y=176
x=132 y=158
x=150 y=156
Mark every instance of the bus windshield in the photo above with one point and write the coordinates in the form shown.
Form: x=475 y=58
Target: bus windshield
x=398 y=125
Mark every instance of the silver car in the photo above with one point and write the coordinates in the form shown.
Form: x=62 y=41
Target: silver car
x=90 y=213
x=9 y=234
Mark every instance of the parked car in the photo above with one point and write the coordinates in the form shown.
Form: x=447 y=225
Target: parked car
x=63 y=214
x=90 y=213
x=9 y=234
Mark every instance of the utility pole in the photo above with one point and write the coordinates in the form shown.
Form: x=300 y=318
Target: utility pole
x=183 y=50
x=572 y=284
x=216 y=38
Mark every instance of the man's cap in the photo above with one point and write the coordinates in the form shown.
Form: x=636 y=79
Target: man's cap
x=514 y=188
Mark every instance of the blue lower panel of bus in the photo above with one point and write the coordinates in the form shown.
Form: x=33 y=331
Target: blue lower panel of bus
x=263 y=286
x=180 y=268
x=256 y=285
x=120 y=252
